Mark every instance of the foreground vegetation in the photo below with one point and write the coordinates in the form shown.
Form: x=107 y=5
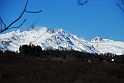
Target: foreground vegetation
x=54 y=66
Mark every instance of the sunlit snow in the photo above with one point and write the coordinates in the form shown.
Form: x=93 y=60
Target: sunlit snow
x=59 y=40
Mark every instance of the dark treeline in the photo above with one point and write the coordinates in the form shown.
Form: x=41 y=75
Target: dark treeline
x=69 y=55
x=34 y=65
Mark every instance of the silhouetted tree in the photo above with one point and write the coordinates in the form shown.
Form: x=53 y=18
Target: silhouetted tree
x=29 y=50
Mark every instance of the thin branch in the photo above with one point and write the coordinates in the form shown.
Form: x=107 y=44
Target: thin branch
x=120 y=7
x=36 y=21
x=2 y=22
x=20 y=15
x=82 y=3
x=19 y=25
x=122 y=1
x=3 y=30
x=34 y=12
x=32 y=25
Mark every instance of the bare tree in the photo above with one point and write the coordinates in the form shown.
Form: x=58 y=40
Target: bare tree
x=4 y=28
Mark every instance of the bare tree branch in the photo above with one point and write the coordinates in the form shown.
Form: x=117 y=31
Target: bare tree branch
x=34 y=12
x=120 y=7
x=82 y=3
x=86 y=1
x=32 y=25
x=122 y=1
x=20 y=15
x=24 y=10
x=19 y=25
x=2 y=22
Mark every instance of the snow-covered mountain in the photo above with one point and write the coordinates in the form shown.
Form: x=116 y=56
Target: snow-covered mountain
x=59 y=40
x=107 y=45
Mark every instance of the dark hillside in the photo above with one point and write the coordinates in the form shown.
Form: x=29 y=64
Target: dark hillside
x=54 y=66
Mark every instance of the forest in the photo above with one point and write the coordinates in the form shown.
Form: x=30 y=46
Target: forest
x=34 y=65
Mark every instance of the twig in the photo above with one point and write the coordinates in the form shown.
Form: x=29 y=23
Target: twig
x=122 y=1
x=2 y=22
x=19 y=25
x=82 y=3
x=120 y=7
x=34 y=12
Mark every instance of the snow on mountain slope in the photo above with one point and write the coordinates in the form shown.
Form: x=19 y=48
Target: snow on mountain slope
x=108 y=46
x=58 y=40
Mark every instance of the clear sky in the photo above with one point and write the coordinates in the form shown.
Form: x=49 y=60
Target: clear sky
x=96 y=18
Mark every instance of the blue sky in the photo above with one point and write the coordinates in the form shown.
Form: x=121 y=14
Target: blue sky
x=96 y=18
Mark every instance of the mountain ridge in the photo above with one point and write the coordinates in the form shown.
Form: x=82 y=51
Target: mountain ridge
x=60 y=39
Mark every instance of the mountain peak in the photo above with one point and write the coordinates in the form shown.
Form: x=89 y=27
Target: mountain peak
x=61 y=30
x=96 y=39
x=44 y=29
